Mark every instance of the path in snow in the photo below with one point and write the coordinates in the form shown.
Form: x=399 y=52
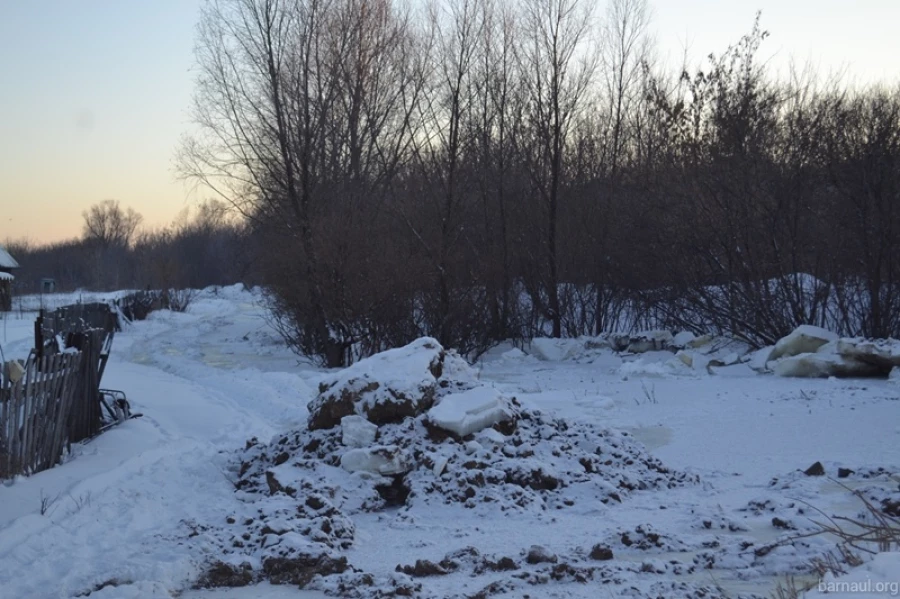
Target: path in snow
x=117 y=508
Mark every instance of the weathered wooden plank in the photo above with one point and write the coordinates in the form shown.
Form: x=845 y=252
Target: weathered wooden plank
x=70 y=365
x=22 y=417
x=48 y=457
x=39 y=407
x=38 y=418
x=44 y=421
x=15 y=451
x=31 y=390
x=4 y=423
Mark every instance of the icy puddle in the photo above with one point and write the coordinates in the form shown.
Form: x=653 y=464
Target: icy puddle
x=653 y=437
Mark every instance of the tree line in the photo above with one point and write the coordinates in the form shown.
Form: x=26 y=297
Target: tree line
x=480 y=170
x=204 y=246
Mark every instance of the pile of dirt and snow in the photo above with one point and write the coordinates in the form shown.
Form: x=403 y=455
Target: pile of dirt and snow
x=390 y=386
x=536 y=565
x=413 y=429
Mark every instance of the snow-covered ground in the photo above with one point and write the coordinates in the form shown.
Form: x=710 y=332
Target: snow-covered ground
x=140 y=511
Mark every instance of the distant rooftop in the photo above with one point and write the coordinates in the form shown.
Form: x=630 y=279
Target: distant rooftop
x=7 y=261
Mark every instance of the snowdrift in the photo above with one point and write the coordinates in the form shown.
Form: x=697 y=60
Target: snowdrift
x=810 y=352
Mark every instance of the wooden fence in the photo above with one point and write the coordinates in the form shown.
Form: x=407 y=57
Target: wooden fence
x=36 y=411
x=88 y=328
x=56 y=401
x=77 y=318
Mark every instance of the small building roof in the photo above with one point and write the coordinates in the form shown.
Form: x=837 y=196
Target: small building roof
x=7 y=261
x=5 y=276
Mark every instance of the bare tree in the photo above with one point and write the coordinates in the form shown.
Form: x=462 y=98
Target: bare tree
x=496 y=110
x=625 y=49
x=557 y=64
x=109 y=229
x=300 y=103
x=109 y=225
x=437 y=212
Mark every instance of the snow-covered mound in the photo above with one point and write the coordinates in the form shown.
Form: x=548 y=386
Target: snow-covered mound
x=304 y=488
x=883 y=354
x=647 y=341
x=802 y=340
x=474 y=448
x=528 y=461
x=389 y=386
x=809 y=355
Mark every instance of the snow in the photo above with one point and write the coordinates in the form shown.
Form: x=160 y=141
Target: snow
x=883 y=353
x=651 y=366
x=846 y=357
x=142 y=510
x=804 y=339
x=6 y=276
x=759 y=359
x=470 y=411
x=7 y=261
x=381 y=459
x=878 y=579
x=357 y=431
x=682 y=339
x=555 y=350
x=390 y=385
x=647 y=341
x=821 y=364
x=52 y=301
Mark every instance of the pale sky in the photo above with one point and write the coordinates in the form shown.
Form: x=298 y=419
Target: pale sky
x=94 y=94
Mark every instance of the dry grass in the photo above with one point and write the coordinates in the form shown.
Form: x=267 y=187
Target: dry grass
x=873 y=532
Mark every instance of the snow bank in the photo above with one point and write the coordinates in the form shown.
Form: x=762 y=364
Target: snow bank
x=682 y=339
x=760 y=359
x=802 y=340
x=471 y=411
x=516 y=355
x=556 y=350
x=820 y=365
x=883 y=354
x=847 y=357
x=647 y=341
